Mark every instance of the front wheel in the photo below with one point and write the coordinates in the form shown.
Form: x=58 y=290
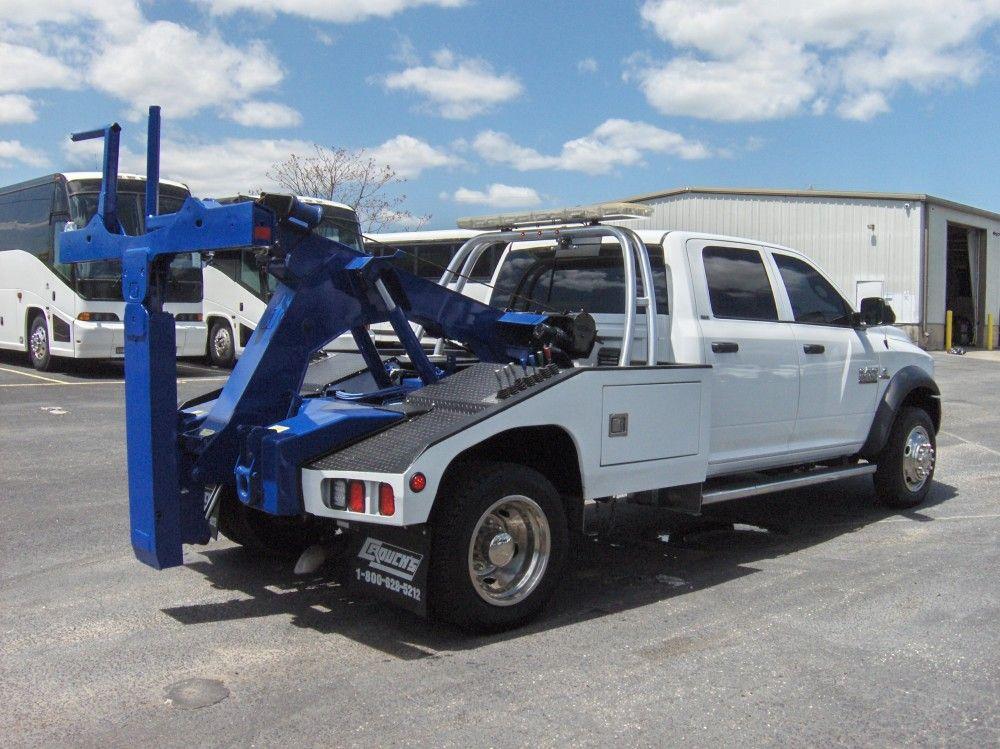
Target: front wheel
x=221 y=346
x=498 y=542
x=906 y=463
x=38 y=345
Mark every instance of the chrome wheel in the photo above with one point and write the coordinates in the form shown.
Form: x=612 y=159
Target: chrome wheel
x=918 y=458
x=509 y=551
x=39 y=343
x=222 y=343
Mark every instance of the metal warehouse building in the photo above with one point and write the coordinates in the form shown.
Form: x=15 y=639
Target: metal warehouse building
x=923 y=254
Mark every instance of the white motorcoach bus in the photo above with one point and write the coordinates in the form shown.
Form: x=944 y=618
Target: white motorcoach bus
x=51 y=309
x=427 y=254
x=236 y=292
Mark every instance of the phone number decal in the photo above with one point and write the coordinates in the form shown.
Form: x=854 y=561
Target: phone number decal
x=392 y=584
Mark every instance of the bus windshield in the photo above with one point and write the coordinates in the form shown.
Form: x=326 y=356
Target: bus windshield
x=340 y=230
x=101 y=280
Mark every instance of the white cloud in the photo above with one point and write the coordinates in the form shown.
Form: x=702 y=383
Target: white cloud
x=614 y=143
x=498 y=195
x=113 y=48
x=768 y=59
x=210 y=169
x=336 y=11
x=456 y=88
x=182 y=68
x=587 y=65
x=409 y=156
x=265 y=114
x=23 y=68
x=13 y=151
x=863 y=107
x=16 y=108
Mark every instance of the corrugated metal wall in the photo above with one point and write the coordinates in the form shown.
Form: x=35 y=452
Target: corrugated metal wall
x=832 y=231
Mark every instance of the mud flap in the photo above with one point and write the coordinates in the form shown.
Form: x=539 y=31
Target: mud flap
x=390 y=564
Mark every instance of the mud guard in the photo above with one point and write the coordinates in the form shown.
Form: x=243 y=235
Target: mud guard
x=390 y=563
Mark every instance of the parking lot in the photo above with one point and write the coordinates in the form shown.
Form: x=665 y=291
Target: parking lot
x=804 y=618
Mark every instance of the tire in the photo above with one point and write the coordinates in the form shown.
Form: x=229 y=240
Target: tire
x=221 y=345
x=263 y=535
x=39 y=353
x=495 y=517
x=906 y=463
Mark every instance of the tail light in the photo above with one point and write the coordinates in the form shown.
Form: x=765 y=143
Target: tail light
x=356 y=496
x=386 y=500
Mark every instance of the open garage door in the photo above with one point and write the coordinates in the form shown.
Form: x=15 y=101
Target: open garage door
x=966 y=274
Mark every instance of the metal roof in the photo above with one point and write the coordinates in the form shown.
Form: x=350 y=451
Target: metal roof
x=848 y=194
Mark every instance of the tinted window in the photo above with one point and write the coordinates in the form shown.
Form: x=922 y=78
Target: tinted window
x=24 y=221
x=738 y=286
x=545 y=280
x=433 y=259
x=227 y=262
x=813 y=298
x=184 y=278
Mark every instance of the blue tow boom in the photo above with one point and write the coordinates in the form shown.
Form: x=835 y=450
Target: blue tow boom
x=325 y=289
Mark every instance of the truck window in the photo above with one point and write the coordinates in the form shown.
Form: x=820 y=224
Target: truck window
x=545 y=280
x=813 y=298
x=738 y=286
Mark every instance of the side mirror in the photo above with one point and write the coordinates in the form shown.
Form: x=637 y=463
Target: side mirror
x=874 y=311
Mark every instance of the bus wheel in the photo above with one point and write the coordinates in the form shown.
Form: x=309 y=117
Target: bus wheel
x=38 y=344
x=221 y=348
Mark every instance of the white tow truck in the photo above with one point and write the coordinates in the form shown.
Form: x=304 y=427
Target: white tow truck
x=758 y=376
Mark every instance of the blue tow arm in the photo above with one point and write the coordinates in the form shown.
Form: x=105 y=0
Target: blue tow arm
x=326 y=289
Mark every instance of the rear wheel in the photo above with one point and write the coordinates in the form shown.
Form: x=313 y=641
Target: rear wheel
x=498 y=543
x=221 y=346
x=263 y=535
x=38 y=344
x=906 y=463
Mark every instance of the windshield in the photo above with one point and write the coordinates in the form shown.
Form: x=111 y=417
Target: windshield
x=101 y=280
x=542 y=280
x=340 y=230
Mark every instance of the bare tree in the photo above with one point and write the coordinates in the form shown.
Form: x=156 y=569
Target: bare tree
x=350 y=177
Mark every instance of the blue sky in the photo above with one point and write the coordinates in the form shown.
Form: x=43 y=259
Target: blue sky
x=487 y=105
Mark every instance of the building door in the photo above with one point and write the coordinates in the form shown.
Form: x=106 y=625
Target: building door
x=963 y=282
x=867 y=289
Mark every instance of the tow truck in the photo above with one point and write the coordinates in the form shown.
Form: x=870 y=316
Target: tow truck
x=731 y=369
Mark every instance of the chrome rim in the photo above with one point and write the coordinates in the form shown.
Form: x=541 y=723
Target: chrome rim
x=221 y=343
x=918 y=458
x=39 y=343
x=509 y=551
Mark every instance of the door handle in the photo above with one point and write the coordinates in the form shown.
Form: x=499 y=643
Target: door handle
x=241 y=306
x=814 y=348
x=725 y=347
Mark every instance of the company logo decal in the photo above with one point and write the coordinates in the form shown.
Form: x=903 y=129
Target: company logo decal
x=388 y=558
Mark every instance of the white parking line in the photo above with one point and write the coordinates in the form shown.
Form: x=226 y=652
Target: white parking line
x=970 y=442
x=32 y=374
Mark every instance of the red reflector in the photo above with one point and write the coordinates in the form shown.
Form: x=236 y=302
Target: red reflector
x=418 y=482
x=386 y=500
x=356 y=496
x=262 y=233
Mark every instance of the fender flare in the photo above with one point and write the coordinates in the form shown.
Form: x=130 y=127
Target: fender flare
x=901 y=386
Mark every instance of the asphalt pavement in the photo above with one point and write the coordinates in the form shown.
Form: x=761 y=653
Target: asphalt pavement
x=803 y=618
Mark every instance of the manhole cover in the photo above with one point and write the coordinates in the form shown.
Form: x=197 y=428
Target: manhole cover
x=191 y=694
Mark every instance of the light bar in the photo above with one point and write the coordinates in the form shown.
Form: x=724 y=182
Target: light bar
x=582 y=214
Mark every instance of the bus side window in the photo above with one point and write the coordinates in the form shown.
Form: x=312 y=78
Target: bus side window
x=24 y=216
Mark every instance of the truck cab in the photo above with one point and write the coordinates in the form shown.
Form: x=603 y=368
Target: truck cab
x=792 y=360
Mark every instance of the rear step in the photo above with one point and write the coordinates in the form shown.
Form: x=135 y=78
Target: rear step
x=754 y=488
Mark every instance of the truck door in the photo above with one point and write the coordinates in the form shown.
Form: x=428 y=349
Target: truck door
x=756 y=368
x=838 y=389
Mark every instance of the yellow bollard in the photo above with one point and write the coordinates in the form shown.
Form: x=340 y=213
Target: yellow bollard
x=989 y=332
x=947 y=330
